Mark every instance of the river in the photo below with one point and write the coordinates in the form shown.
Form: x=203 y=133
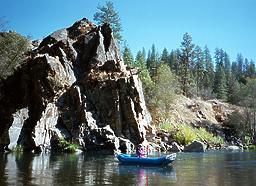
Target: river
x=209 y=168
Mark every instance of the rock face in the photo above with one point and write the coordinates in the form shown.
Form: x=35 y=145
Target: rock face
x=74 y=85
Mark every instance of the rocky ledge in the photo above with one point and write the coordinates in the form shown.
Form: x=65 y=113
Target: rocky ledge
x=75 y=86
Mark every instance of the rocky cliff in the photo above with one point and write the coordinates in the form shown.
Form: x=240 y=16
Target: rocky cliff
x=74 y=85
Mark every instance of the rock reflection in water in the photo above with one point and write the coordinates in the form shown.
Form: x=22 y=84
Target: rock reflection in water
x=210 y=168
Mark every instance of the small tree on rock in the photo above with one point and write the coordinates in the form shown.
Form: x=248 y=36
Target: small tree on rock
x=108 y=14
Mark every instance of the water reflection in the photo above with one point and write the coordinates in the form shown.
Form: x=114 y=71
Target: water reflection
x=148 y=175
x=211 y=168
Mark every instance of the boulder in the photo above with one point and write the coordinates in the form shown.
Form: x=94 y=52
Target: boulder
x=232 y=148
x=195 y=146
x=76 y=86
x=175 y=147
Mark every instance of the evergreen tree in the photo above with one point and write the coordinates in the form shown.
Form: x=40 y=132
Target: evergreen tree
x=234 y=69
x=127 y=56
x=199 y=72
x=108 y=14
x=140 y=62
x=186 y=59
x=165 y=56
x=152 y=61
x=251 y=70
x=220 y=82
x=209 y=75
x=233 y=90
x=240 y=64
x=174 y=60
x=227 y=66
x=246 y=68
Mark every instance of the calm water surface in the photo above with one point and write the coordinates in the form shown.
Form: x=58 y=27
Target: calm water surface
x=210 y=168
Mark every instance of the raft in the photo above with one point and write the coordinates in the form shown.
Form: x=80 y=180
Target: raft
x=149 y=161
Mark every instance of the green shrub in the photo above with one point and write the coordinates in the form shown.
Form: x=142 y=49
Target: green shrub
x=209 y=137
x=12 y=49
x=66 y=146
x=251 y=147
x=18 y=149
x=185 y=134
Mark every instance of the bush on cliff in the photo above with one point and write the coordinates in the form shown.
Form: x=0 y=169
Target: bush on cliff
x=66 y=146
x=12 y=49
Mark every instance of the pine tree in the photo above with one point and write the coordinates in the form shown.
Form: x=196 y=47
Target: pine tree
x=165 y=56
x=108 y=14
x=233 y=90
x=227 y=66
x=174 y=60
x=251 y=70
x=152 y=61
x=234 y=69
x=199 y=72
x=240 y=62
x=186 y=59
x=209 y=75
x=140 y=62
x=220 y=82
x=127 y=56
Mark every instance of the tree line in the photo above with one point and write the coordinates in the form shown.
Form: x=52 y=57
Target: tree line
x=198 y=72
x=194 y=72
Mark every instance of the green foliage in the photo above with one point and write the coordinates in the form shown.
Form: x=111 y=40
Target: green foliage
x=234 y=90
x=66 y=146
x=165 y=56
x=165 y=87
x=18 y=149
x=174 y=60
x=108 y=14
x=185 y=134
x=162 y=92
x=251 y=147
x=186 y=61
x=199 y=69
x=127 y=56
x=204 y=135
x=12 y=49
x=220 y=84
x=140 y=63
x=209 y=68
x=152 y=61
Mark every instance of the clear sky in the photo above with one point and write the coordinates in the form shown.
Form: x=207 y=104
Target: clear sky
x=227 y=24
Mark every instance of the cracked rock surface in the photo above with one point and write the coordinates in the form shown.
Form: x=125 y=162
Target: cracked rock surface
x=74 y=85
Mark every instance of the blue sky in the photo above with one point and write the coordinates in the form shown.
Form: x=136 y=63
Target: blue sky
x=227 y=24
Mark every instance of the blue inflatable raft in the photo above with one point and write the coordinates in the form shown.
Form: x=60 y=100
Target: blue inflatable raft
x=149 y=161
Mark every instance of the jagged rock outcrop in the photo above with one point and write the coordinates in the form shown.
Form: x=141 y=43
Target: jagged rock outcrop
x=75 y=85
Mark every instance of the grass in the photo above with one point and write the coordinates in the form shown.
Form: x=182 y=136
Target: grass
x=66 y=146
x=185 y=134
x=18 y=149
x=251 y=147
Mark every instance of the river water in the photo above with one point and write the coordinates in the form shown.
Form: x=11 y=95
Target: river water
x=210 y=168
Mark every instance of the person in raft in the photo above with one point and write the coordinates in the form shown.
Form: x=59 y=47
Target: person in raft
x=140 y=152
